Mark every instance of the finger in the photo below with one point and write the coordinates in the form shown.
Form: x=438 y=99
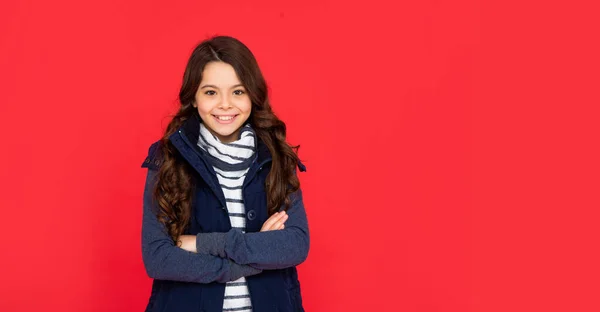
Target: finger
x=277 y=225
x=269 y=223
x=273 y=219
x=283 y=220
x=280 y=223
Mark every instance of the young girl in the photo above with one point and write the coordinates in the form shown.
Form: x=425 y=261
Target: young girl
x=224 y=225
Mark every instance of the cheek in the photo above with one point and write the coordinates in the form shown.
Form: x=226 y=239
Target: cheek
x=204 y=107
x=246 y=107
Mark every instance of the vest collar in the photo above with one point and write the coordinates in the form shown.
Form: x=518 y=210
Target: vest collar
x=191 y=129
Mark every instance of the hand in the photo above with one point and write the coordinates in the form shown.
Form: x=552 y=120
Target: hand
x=187 y=242
x=275 y=222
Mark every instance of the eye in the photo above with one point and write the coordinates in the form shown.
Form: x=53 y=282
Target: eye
x=238 y=92
x=209 y=92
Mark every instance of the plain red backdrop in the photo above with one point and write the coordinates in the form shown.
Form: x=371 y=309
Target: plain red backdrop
x=451 y=146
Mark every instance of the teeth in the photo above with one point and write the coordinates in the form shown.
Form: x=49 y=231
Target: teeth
x=224 y=118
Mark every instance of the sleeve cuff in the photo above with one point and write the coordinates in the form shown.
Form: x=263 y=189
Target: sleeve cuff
x=237 y=270
x=211 y=244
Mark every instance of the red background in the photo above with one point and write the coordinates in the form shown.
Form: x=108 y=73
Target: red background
x=451 y=146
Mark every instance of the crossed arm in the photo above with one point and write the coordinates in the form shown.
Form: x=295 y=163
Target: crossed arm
x=275 y=222
x=282 y=242
x=222 y=257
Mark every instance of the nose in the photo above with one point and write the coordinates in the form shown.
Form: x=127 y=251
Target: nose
x=225 y=102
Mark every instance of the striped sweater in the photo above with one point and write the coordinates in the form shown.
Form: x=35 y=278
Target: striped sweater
x=231 y=162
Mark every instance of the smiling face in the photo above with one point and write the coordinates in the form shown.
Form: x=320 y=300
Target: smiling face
x=222 y=101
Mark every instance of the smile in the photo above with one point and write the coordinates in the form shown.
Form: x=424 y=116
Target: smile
x=225 y=119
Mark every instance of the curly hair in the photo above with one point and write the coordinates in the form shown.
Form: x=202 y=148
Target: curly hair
x=175 y=185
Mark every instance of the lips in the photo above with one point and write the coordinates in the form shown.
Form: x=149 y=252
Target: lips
x=224 y=119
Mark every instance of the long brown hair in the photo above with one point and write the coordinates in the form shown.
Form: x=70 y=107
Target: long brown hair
x=175 y=186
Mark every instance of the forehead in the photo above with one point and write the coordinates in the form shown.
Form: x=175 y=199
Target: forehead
x=219 y=74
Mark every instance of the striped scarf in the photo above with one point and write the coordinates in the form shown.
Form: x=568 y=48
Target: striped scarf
x=231 y=162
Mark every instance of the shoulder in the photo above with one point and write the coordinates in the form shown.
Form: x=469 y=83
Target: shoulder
x=301 y=166
x=154 y=158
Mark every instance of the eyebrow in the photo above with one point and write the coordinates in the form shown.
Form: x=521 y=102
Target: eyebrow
x=215 y=87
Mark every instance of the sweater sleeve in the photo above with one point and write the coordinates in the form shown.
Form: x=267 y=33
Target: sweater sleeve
x=164 y=260
x=263 y=250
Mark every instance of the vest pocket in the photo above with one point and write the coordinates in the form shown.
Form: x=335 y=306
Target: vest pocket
x=159 y=296
x=178 y=297
x=293 y=289
x=296 y=298
x=154 y=294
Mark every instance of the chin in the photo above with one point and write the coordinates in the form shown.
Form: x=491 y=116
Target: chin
x=225 y=133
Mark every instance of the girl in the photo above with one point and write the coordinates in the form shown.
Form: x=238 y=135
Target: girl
x=224 y=225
